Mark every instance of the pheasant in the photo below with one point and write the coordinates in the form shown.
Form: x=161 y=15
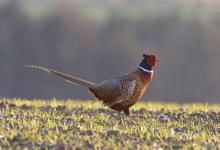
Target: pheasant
x=120 y=93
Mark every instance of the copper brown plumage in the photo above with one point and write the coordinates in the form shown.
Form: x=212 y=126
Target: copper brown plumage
x=120 y=93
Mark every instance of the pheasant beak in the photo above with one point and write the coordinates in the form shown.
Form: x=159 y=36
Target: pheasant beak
x=157 y=60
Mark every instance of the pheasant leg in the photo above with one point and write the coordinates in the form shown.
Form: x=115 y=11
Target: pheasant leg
x=121 y=119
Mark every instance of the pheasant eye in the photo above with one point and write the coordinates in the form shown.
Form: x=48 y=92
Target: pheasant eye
x=152 y=57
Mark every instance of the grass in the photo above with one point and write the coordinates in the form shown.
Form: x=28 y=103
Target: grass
x=72 y=124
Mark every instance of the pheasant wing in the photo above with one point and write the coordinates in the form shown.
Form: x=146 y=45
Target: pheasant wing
x=115 y=91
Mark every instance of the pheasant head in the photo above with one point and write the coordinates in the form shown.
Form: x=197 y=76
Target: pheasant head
x=148 y=63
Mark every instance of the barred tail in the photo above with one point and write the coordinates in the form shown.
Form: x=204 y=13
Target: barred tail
x=66 y=77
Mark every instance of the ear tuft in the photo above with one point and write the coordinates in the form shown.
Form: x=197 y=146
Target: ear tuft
x=145 y=55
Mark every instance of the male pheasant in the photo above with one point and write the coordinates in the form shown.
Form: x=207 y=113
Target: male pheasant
x=120 y=93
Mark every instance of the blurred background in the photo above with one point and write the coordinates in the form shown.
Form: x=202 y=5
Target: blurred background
x=100 y=39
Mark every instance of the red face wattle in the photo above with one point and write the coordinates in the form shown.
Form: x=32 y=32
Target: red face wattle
x=151 y=60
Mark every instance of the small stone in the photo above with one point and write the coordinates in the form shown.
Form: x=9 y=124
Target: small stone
x=164 y=118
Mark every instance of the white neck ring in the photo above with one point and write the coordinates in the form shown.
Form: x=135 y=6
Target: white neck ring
x=145 y=70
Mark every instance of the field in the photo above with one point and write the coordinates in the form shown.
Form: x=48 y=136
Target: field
x=72 y=124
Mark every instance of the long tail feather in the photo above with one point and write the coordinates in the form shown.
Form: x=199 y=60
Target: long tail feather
x=66 y=77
